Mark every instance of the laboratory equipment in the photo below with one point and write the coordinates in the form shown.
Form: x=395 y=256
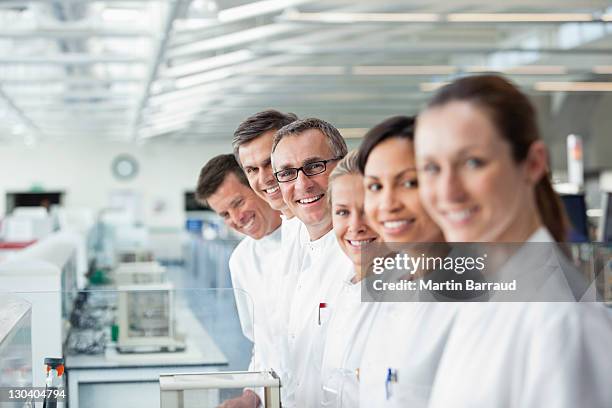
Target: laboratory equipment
x=575 y=207
x=27 y=224
x=15 y=342
x=205 y=390
x=575 y=160
x=136 y=273
x=54 y=382
x=605 y=229
x=44 y=274
x=136 y=255
x=147 y=319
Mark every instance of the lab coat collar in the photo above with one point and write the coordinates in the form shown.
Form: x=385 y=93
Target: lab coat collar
x=541 y=235
x=318 y=244
x=273 y=239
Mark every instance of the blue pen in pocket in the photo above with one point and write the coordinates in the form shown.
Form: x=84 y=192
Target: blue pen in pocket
x=389 y=381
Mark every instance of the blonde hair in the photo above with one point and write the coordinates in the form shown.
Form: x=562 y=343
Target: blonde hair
x=347 y=166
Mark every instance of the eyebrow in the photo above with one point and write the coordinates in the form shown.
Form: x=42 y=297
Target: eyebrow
x=235 y=201
x=309 y=160
x=306 y=161
x=398 y=175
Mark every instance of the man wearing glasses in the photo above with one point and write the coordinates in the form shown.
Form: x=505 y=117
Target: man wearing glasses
x=303 y=155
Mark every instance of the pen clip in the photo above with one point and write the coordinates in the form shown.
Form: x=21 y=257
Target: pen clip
x=322 y=305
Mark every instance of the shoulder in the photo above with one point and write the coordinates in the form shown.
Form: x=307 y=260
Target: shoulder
x=290 y=229
x=242 y=251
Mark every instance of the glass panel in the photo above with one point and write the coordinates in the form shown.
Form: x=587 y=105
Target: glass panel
x=117 y=342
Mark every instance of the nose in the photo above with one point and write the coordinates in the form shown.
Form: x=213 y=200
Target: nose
x=388 y=201
x=236 y=217
x=357 y=222
x=266 y=178
x=451 y=187
x=303 y=182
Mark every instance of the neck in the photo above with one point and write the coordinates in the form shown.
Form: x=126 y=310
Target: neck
x=358 y=274
x=277 y=223
x=287 y=213
x=317 y=231
x=523 y=227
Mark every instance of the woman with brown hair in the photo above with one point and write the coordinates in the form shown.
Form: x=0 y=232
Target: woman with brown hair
x=484 y=177
x=407 y=339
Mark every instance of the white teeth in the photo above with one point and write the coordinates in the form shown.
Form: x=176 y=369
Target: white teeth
x=309 y=200
x=458 y=216
x=249 y=224
x=272 y=190
x=395 y=224
x=360 y=243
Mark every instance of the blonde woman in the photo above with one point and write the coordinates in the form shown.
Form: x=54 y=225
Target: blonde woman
x=351 y=321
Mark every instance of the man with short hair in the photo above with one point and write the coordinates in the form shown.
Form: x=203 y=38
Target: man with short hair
x=252 y=145
x=224 y=187
x=303 y=155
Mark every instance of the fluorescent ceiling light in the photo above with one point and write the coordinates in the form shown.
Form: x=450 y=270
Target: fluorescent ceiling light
x=363 y=17
x=230 y=40
x=573 y=86
x=602 y=69
x=522 y=70
x=204 y=78
x=333 y=17
x=405 y=70
x=518 y=17
x=257 y=8
x=432 y=86
x=208 y=63
x=299 y=70
x=607 y=17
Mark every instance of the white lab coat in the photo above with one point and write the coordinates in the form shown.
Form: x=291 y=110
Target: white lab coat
x=310 y=295
x=407 y=340
x=348 y=331
x=257 y=269
x=527 y=355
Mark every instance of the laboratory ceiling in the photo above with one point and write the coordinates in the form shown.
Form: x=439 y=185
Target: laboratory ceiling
x=143 y=71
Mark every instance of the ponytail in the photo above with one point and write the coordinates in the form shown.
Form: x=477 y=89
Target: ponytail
x=551 y=210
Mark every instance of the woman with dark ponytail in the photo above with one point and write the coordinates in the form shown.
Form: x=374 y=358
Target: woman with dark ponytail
x=484 y=177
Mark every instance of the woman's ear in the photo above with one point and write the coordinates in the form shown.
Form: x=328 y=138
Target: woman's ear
x=536 y=162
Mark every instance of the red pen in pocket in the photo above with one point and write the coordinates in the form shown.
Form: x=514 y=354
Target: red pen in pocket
x=322 y=305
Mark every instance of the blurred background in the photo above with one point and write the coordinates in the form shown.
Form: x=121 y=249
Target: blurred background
x=108 y=110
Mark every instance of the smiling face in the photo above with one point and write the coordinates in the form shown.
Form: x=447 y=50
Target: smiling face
x=242 y=210
x=470 y=184
x=256 y=162
x=392 y=202
x=305 y=196
x=348 y=217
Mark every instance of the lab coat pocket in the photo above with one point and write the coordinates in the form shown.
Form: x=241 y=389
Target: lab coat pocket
x=320 y=329
x=341 y=389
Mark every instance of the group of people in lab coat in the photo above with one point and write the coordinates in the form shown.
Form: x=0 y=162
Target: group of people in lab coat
x=470 y=168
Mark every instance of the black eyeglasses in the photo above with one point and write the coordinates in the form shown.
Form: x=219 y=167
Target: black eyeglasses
x=310 y=169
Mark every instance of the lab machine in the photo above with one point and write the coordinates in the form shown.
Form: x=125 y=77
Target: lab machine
x=136 y=273
x=146 y=319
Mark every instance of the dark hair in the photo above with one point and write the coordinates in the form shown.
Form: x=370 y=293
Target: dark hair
x=213 y=175
x=261 y=122
x=334 y=138
x=515 y=119
x=396 y=126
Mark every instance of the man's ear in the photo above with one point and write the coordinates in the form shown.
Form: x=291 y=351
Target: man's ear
x=536 y=163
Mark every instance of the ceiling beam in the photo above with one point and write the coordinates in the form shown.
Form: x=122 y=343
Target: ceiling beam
x=174 y=7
